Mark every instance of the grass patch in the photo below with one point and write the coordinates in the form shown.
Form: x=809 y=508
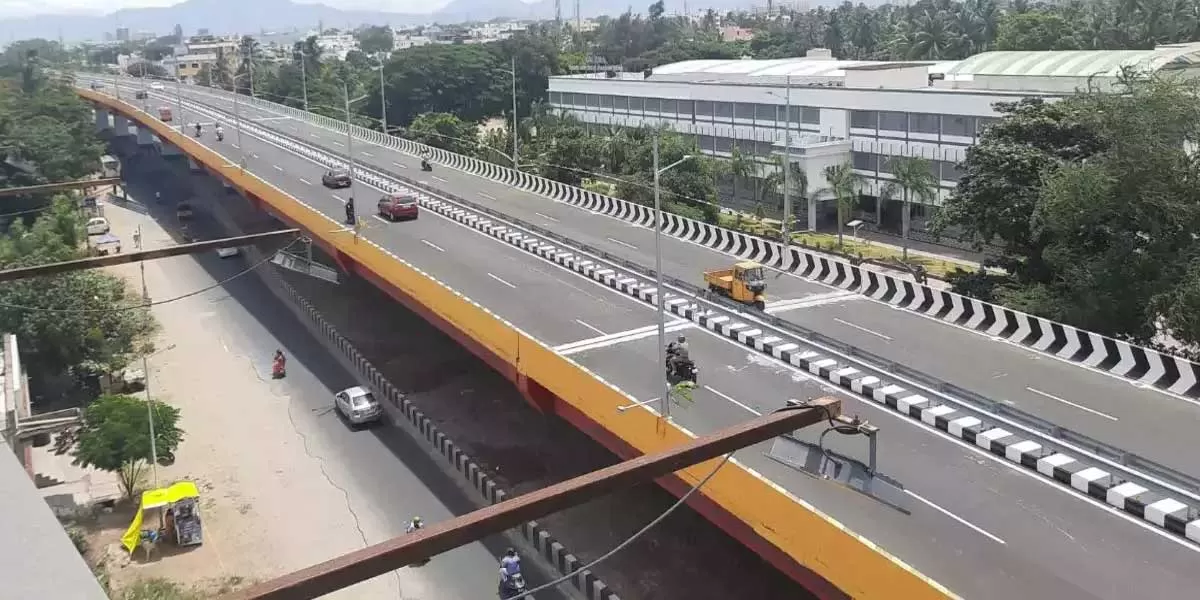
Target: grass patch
x=156 y=588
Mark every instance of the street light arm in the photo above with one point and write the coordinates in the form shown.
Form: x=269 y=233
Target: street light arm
x=686 y=158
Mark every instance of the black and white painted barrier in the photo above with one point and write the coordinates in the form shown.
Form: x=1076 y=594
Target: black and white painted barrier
x=1135 y=363
x=1096 y=475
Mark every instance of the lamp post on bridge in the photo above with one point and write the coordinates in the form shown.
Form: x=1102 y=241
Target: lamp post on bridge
x=658 y=274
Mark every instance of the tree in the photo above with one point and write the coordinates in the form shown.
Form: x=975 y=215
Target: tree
x=145 y=69
x=52 y=128
x=445 y=131
x=375 y=39
x=740 y=168
x=842 y=179
x=1035 y=31
x=114 y=436
x=914 y=177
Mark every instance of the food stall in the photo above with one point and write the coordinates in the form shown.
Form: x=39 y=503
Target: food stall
x=177 y=508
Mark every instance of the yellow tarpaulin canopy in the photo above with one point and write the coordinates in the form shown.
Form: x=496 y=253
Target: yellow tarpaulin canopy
x=156 y=499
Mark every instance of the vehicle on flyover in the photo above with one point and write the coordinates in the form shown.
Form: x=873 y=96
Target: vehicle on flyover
x=403 y=205
x=743 y=283
x=358 y=405
x=336 y=179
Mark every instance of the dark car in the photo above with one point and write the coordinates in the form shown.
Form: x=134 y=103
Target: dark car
x=141 y=95
x=183 y=211
x=398 y=206
x=336 y=179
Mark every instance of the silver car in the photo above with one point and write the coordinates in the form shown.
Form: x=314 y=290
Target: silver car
x=358 y=405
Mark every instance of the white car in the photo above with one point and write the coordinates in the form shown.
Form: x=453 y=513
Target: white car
x=227 y=252
x=97 y=226
x=156 y=86
x=358 y=405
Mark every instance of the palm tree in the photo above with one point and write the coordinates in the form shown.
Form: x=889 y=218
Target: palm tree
x=915 y=177
x=740 y=167
x=842 y=180
x=797 y=182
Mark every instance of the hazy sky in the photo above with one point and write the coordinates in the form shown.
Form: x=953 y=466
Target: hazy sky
x=25 y=8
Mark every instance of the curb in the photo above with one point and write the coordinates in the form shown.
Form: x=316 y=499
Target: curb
x=550 y=549
x=1163 y=371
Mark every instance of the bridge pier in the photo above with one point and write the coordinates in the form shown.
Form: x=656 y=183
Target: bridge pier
x=169 y=149
x=120 y=125
x=145 y=137
x=102 y=121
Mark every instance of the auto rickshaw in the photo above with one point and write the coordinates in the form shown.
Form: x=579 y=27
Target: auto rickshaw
x=743 y=283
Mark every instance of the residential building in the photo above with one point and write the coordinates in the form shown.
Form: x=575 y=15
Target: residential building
x=733 y=33
x=336 y=45
x=188 y=66
x=864 y=112
x=122 y=34
x=401 y=40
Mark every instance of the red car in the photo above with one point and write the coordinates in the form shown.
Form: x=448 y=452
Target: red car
x=398 y=206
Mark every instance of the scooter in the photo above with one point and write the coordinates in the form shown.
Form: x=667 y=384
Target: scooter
x=685 y=371
x=425 y=166
x=277 y=370
x=220 y=136
x=514 y=587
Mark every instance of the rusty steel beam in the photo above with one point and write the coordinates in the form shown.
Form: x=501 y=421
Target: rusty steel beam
x=53 y=187
x=360 y=565
x=132 y=257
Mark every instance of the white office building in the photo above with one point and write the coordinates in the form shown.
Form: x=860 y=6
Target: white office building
x=859 y=111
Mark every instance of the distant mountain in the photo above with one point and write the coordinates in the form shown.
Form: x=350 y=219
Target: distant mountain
x=251 y=16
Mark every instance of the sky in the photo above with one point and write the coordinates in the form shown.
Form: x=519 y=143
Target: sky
x=10 y=9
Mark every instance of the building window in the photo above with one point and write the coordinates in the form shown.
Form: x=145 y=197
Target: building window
x=195 y=65
x=983 y=122
x=893 y=121
x=763 y=148
x=653 y=104
x=704 y=110
x=885 y=164
x=865 y=161
x=796 y=114
x=706 y=143
x=958 y=125
x=670 y=107
x=637 y=104
x=764 y=113
x=724 y=144
x=951 y=171
x=606 y=102
x=864 y=119
x=724 y=111
x=811 y=116
x=923 y=123
x=744 y=111
x=621 y=103
x=687 y=109
x=593 y=100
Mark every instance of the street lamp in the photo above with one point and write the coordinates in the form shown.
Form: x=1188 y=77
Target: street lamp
x=237 y=119
x=137 y=238
x=382 y=95
x=513 y=71
x=658 y=274
x=304 y=77
x=349 y=137
x=785 y=233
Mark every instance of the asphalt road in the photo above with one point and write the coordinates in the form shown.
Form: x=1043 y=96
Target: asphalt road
x=387 y=475
x=980 y=527
x=1138 y=419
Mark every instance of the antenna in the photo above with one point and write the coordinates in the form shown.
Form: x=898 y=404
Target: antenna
x=578 y=17
x=558 y=17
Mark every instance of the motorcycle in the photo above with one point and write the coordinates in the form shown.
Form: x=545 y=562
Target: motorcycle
x=277 y=370
x=683 y=371
x=513 y=587
x=220 y=136
x=425 y=166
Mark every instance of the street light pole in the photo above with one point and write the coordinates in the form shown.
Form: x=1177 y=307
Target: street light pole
x=304 y=78
x=350 y=140
x=658 y=273
x=382 y=98
x=516 y=159
x=146 y=373
x=785 y=230
x=237 y=121
x=179 y=99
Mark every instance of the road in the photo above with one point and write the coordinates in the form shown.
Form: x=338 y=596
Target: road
x=1138 y=419
x=980 y=527
x=371 y=481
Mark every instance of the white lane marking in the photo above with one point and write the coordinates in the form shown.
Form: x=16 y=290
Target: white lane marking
x=487 y=196
x=438 y=178
x=305 y=181
x=546 y=217
x=338 y=198
x=314 y=135
x=613 y=340
x=596 y=329
x=734 y=401
x=1069 y=403
x=502 y=281
x=278 y=168
x=626 y=244
x=861 y=328
x=235 y=146
x=380 y=219
x=368 y=154
x=255 y=157
x=609 y=336
x=264 y=119
x=399 y=165
x=809 y=301
x=961 y=520
x=339 y=143
x=433 y=245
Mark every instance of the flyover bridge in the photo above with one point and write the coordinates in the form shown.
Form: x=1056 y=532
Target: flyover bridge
x=998 y=493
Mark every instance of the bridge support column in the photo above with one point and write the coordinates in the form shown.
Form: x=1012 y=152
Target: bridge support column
x=102 y=121
x=145 y=137
x=536 y=395
x=120 y=125
x=169 y=149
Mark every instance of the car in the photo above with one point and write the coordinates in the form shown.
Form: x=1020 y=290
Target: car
x=141 y=95
x=183 y=211
x=156 y=86
x=358 y=405
x=403 y=205
x=97 y=226
x=336 y=179
x=227 y=252
x=96 y=86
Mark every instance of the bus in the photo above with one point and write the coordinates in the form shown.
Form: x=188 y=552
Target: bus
x=109 y=166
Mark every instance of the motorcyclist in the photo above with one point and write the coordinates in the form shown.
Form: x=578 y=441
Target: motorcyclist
x=350 y=211
x=199 y=128
x=220 y=133
x=414 y=525
x=279 y=364
x=425 y=165
x=510 y=564
x=677 y=354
